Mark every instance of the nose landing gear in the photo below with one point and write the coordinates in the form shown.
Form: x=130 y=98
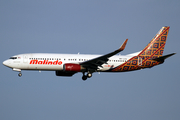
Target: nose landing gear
x=20 y=74
x=18 y=70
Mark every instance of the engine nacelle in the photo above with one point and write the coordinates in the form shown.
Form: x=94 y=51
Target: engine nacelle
x=72 y=67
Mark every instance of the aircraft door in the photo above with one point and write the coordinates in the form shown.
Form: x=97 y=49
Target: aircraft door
x=139 y=61
x=25 y=58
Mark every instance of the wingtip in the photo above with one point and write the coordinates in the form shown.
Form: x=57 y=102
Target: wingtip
x=123 y=45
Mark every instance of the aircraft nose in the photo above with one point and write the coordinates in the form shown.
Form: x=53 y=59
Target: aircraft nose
x=5 y=63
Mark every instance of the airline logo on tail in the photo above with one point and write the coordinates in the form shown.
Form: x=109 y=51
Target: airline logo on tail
x=156 y=47
x=145 y=58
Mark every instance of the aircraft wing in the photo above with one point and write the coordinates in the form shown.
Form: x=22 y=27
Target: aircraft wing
x=93 y=64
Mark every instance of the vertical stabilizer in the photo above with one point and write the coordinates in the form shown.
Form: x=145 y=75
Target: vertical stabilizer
x=156 y=46
x=150 y=56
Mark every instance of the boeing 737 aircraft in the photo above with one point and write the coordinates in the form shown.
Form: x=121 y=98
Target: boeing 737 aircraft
x=69 y=64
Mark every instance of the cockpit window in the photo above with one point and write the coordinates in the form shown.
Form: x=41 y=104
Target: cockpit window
x=13 y=58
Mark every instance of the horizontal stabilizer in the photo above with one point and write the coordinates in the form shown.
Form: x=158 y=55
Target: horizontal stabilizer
x=162 y=58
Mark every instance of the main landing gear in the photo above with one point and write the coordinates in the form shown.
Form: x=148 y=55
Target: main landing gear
x=84 y=77
x=20 y=74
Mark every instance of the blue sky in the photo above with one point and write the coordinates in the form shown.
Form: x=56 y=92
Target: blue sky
x=89 y=27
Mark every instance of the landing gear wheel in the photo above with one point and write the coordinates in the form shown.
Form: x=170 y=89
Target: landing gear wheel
x=89 y=75
x=84 y=77
x=20 y=74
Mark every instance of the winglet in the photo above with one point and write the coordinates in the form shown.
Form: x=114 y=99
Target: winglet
x=123 y=45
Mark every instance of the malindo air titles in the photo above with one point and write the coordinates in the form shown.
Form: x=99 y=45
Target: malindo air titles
x=46 y=62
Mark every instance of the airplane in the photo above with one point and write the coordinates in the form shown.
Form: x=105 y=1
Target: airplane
x=69 y=64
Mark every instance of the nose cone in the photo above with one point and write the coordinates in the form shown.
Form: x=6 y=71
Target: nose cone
x=6 y=63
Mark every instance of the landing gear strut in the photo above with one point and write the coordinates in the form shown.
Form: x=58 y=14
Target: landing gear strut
x=84 y=77
x=20 y=74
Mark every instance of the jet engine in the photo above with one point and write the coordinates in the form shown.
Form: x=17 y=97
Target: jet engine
x=73 y=67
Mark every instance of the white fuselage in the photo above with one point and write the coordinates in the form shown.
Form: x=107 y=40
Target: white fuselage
x=54 y=62
x=70 y=64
